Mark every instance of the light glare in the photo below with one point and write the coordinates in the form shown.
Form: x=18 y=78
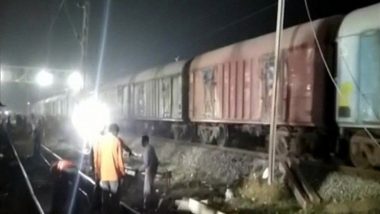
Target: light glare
x=89 y=118
x=44 y=78
x=75 y=81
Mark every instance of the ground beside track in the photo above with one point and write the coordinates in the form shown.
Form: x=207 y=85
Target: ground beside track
x=15 y=197
x=38 y=172
x=195 y=165
x=343 y=189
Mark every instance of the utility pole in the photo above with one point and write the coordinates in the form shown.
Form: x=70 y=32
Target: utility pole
x=277 y=70
x=1 y=81
x=85 y=6
x=1 y=78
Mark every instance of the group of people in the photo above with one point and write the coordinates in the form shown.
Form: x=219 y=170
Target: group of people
x=35 y=128
x=109 y=167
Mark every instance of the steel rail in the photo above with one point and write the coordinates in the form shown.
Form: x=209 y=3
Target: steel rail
x=28 y=183
x=79 y=189
x=87 y=178
x=84 y=176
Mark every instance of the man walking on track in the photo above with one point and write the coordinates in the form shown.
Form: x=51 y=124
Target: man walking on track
x=109 y=168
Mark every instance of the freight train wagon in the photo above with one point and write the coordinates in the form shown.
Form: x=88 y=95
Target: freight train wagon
x=358 y=100
x=57 y=106
x=231 y=87
x=159 y=100
x=228 y=90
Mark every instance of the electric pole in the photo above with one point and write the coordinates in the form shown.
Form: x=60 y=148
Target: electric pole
x=277 y=71
x=85 y=6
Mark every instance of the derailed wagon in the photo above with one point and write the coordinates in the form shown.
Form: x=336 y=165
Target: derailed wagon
x=159 y=100
x=358 y=103
x=231 y=88
x=227 y=92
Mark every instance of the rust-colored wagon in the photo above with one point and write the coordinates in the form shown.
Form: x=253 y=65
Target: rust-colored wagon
x=232 y=86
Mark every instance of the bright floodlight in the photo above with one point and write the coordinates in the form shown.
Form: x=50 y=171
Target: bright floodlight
x=89 y=118
x=75 y=81
x=44 y=78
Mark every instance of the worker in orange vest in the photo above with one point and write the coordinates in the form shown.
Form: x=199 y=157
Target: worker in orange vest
x=109 y=168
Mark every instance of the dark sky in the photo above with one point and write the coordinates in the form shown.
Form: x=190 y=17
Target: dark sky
x=141 y=33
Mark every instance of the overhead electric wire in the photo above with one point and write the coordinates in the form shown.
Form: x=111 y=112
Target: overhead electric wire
x=320 y=49
x=245 y=17
x=73 y=29
x=373 y=139
x=52 y=25
x=53 y=22
x=233 y=23
x=56 y=16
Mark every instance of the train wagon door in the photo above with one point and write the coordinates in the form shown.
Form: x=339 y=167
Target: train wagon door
x=369 y=69
x=301 y=71
x=267 y=72
x=165 y=97
x=209 y=84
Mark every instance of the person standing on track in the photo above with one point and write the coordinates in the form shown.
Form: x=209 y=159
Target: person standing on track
x=37 y=137
x=109 y=168
x=150 y=167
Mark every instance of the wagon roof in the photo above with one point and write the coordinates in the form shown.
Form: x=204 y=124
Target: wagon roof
x=53 y=98
x=292 y=37
x=115 y=83
x=161 y=71
x=361 y=20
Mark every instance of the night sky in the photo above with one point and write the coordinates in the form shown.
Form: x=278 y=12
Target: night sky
x=141 y=33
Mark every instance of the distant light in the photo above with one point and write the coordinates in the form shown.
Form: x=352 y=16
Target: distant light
x=6 y=113
x=75 y=81
x=28 y=103
x=44 y=78
x=3 y=76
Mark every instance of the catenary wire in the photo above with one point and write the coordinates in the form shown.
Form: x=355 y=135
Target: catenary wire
x=373 y=139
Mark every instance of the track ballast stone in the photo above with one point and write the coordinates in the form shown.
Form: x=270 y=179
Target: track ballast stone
x=342 y=187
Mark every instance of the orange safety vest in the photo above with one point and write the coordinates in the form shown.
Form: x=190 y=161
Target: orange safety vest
x=108 y=160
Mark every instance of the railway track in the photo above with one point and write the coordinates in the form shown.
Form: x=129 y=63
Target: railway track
x=87 y=180
x=37 y=205
x=262 y=155
x=318 y=182
x=303 y=187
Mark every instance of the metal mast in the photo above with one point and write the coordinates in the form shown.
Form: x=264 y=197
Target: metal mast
x=277 y=70
x=85 y=6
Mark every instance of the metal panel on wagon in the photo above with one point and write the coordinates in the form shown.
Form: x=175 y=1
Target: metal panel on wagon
x=359 y=68
x=158 y=93
x=234 y=84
